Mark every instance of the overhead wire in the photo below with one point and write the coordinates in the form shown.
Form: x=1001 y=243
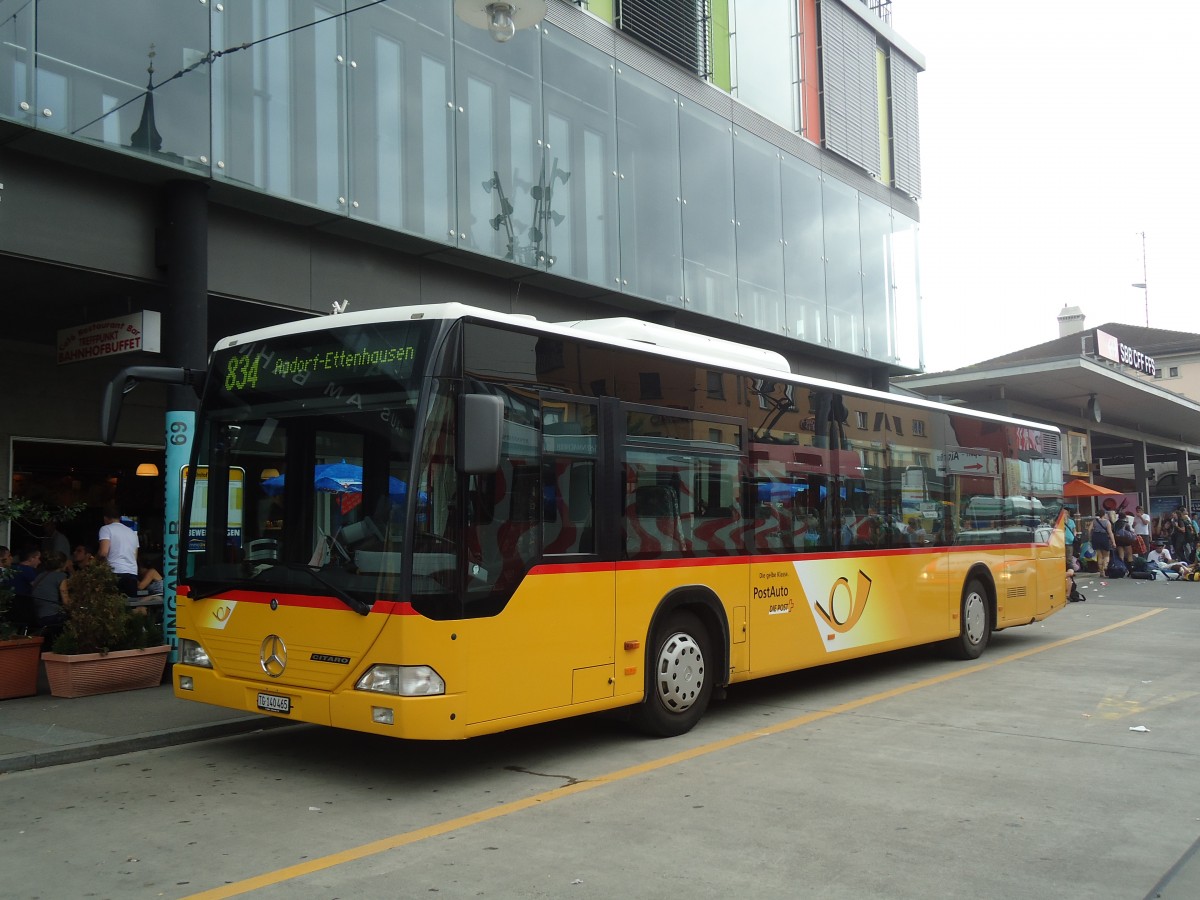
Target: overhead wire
x=213 y=55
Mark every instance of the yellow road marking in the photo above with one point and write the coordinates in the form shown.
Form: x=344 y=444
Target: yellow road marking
x=342 y=857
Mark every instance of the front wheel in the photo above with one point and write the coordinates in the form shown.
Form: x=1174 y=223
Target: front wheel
x=975 y=623
x=678 y=683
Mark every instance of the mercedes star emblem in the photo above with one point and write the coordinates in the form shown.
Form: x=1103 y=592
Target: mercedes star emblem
x=273 y=655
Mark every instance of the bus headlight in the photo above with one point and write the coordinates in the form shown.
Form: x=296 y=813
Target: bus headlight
x=192 y=654
x=403 y=681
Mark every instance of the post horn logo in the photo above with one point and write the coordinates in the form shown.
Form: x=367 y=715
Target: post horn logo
x=272 y=656
x=843 y=609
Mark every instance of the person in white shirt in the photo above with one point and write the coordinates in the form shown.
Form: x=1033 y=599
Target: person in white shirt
x=1159 y=560
x=119 y=547
x=1141 y=523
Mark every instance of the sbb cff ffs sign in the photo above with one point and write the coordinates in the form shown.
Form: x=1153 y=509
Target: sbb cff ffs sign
x=1108 y=347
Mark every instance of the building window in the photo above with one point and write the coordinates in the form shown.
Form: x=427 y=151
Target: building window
x=862 y=420
x=679 y=31
x=716 y=386
x=651 y=386
x=1173 y=372
x=918 y=428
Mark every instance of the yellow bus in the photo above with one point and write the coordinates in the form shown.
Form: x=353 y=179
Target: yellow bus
x=455 y=522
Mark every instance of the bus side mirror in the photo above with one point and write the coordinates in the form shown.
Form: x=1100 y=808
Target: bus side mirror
x=480 y=424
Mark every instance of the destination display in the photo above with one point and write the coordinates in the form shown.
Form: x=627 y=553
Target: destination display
x=322 y=359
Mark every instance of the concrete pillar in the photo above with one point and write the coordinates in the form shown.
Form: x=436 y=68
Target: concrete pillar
x=1140 y=478
x=183 y=246
x=1185 y=480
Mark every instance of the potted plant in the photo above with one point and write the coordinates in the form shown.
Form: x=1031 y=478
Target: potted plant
x=104 y=647
x=19 y=653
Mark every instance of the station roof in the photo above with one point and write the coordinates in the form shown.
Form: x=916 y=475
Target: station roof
x=1056 y=380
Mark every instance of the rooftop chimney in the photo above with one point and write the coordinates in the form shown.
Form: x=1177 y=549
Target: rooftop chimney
x=1070 y=321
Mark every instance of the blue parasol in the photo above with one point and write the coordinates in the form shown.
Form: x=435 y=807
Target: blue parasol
x=338 y=478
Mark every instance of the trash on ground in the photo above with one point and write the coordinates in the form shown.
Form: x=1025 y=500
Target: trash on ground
x=1139 y=728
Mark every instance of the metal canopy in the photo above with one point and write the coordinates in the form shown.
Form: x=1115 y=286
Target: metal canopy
x=1059 y=390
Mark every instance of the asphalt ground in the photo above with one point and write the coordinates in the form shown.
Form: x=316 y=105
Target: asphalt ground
x=44 y=731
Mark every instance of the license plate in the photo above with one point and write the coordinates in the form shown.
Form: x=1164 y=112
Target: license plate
x=275 y=704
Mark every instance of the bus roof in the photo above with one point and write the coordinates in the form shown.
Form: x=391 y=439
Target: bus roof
x=659 y=340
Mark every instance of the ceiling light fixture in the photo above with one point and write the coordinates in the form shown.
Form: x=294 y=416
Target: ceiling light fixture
x=502 y=18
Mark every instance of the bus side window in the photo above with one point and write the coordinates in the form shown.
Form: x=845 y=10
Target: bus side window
x=569 y=521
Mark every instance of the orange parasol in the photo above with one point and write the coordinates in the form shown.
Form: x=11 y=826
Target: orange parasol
x=1081 y=488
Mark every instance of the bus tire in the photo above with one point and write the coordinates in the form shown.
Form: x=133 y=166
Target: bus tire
x=678 y=682
x=975 y=623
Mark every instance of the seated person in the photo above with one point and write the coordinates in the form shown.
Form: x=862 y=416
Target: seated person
x=150 y=580
x=49 y=595
x=26 y=571
x=915 y=533
x=1159 y=559
x=81 y=557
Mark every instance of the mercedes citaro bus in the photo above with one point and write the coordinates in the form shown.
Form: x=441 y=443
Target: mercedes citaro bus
x=438 y=521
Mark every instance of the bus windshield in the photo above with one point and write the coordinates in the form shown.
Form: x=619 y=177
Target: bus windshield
x=300 y=476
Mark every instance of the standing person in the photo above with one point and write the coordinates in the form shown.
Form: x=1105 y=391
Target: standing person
x=1178 y=536
x=54 y=541
x=5 y=557
x=1141 y=524
x=119 y=547
x=1102 y=540
x=1072 y=535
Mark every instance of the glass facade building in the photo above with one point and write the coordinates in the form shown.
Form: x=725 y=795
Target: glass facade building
x=570 y=150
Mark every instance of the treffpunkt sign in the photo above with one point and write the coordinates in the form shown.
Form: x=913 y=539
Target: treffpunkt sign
x=1108 y=347
x=111 y=337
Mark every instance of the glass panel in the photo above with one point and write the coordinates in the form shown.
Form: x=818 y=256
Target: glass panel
x=401 y=120
x=320 y=428
x=759 y=232
x=16 y=61
x=680 y=505
x=653 y=426
x=875 y=236
x=570 y=431
x=803 y=252
x=131 y=75
x=279 y=104
x=648 y=154
x=764 y=39
x=706 y=164
x=843 y=280
x=905 y=269
x=499 y=144
x=579 y=216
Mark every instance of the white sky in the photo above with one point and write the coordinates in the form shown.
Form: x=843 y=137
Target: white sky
x=1052 y=133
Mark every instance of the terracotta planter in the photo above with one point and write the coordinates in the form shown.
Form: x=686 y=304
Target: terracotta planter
x=84 y=674
x=19 y=667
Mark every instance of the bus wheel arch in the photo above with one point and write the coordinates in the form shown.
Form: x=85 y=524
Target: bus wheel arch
x=687 y=653
x=977 y=615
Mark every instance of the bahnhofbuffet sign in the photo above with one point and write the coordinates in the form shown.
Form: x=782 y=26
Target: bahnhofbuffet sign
x=1108 y=347
x=135 y=332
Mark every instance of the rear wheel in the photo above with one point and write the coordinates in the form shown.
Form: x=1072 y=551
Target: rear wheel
x=678 y=683
x=975 y=623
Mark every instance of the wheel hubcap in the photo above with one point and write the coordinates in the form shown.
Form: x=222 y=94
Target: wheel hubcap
x=680 y=672
x=974 y=617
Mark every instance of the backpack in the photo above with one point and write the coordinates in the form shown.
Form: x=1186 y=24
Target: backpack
x=1116 y=569
x=1076 y=595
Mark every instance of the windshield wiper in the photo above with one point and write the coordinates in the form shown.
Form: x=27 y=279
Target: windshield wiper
x=353 y=602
